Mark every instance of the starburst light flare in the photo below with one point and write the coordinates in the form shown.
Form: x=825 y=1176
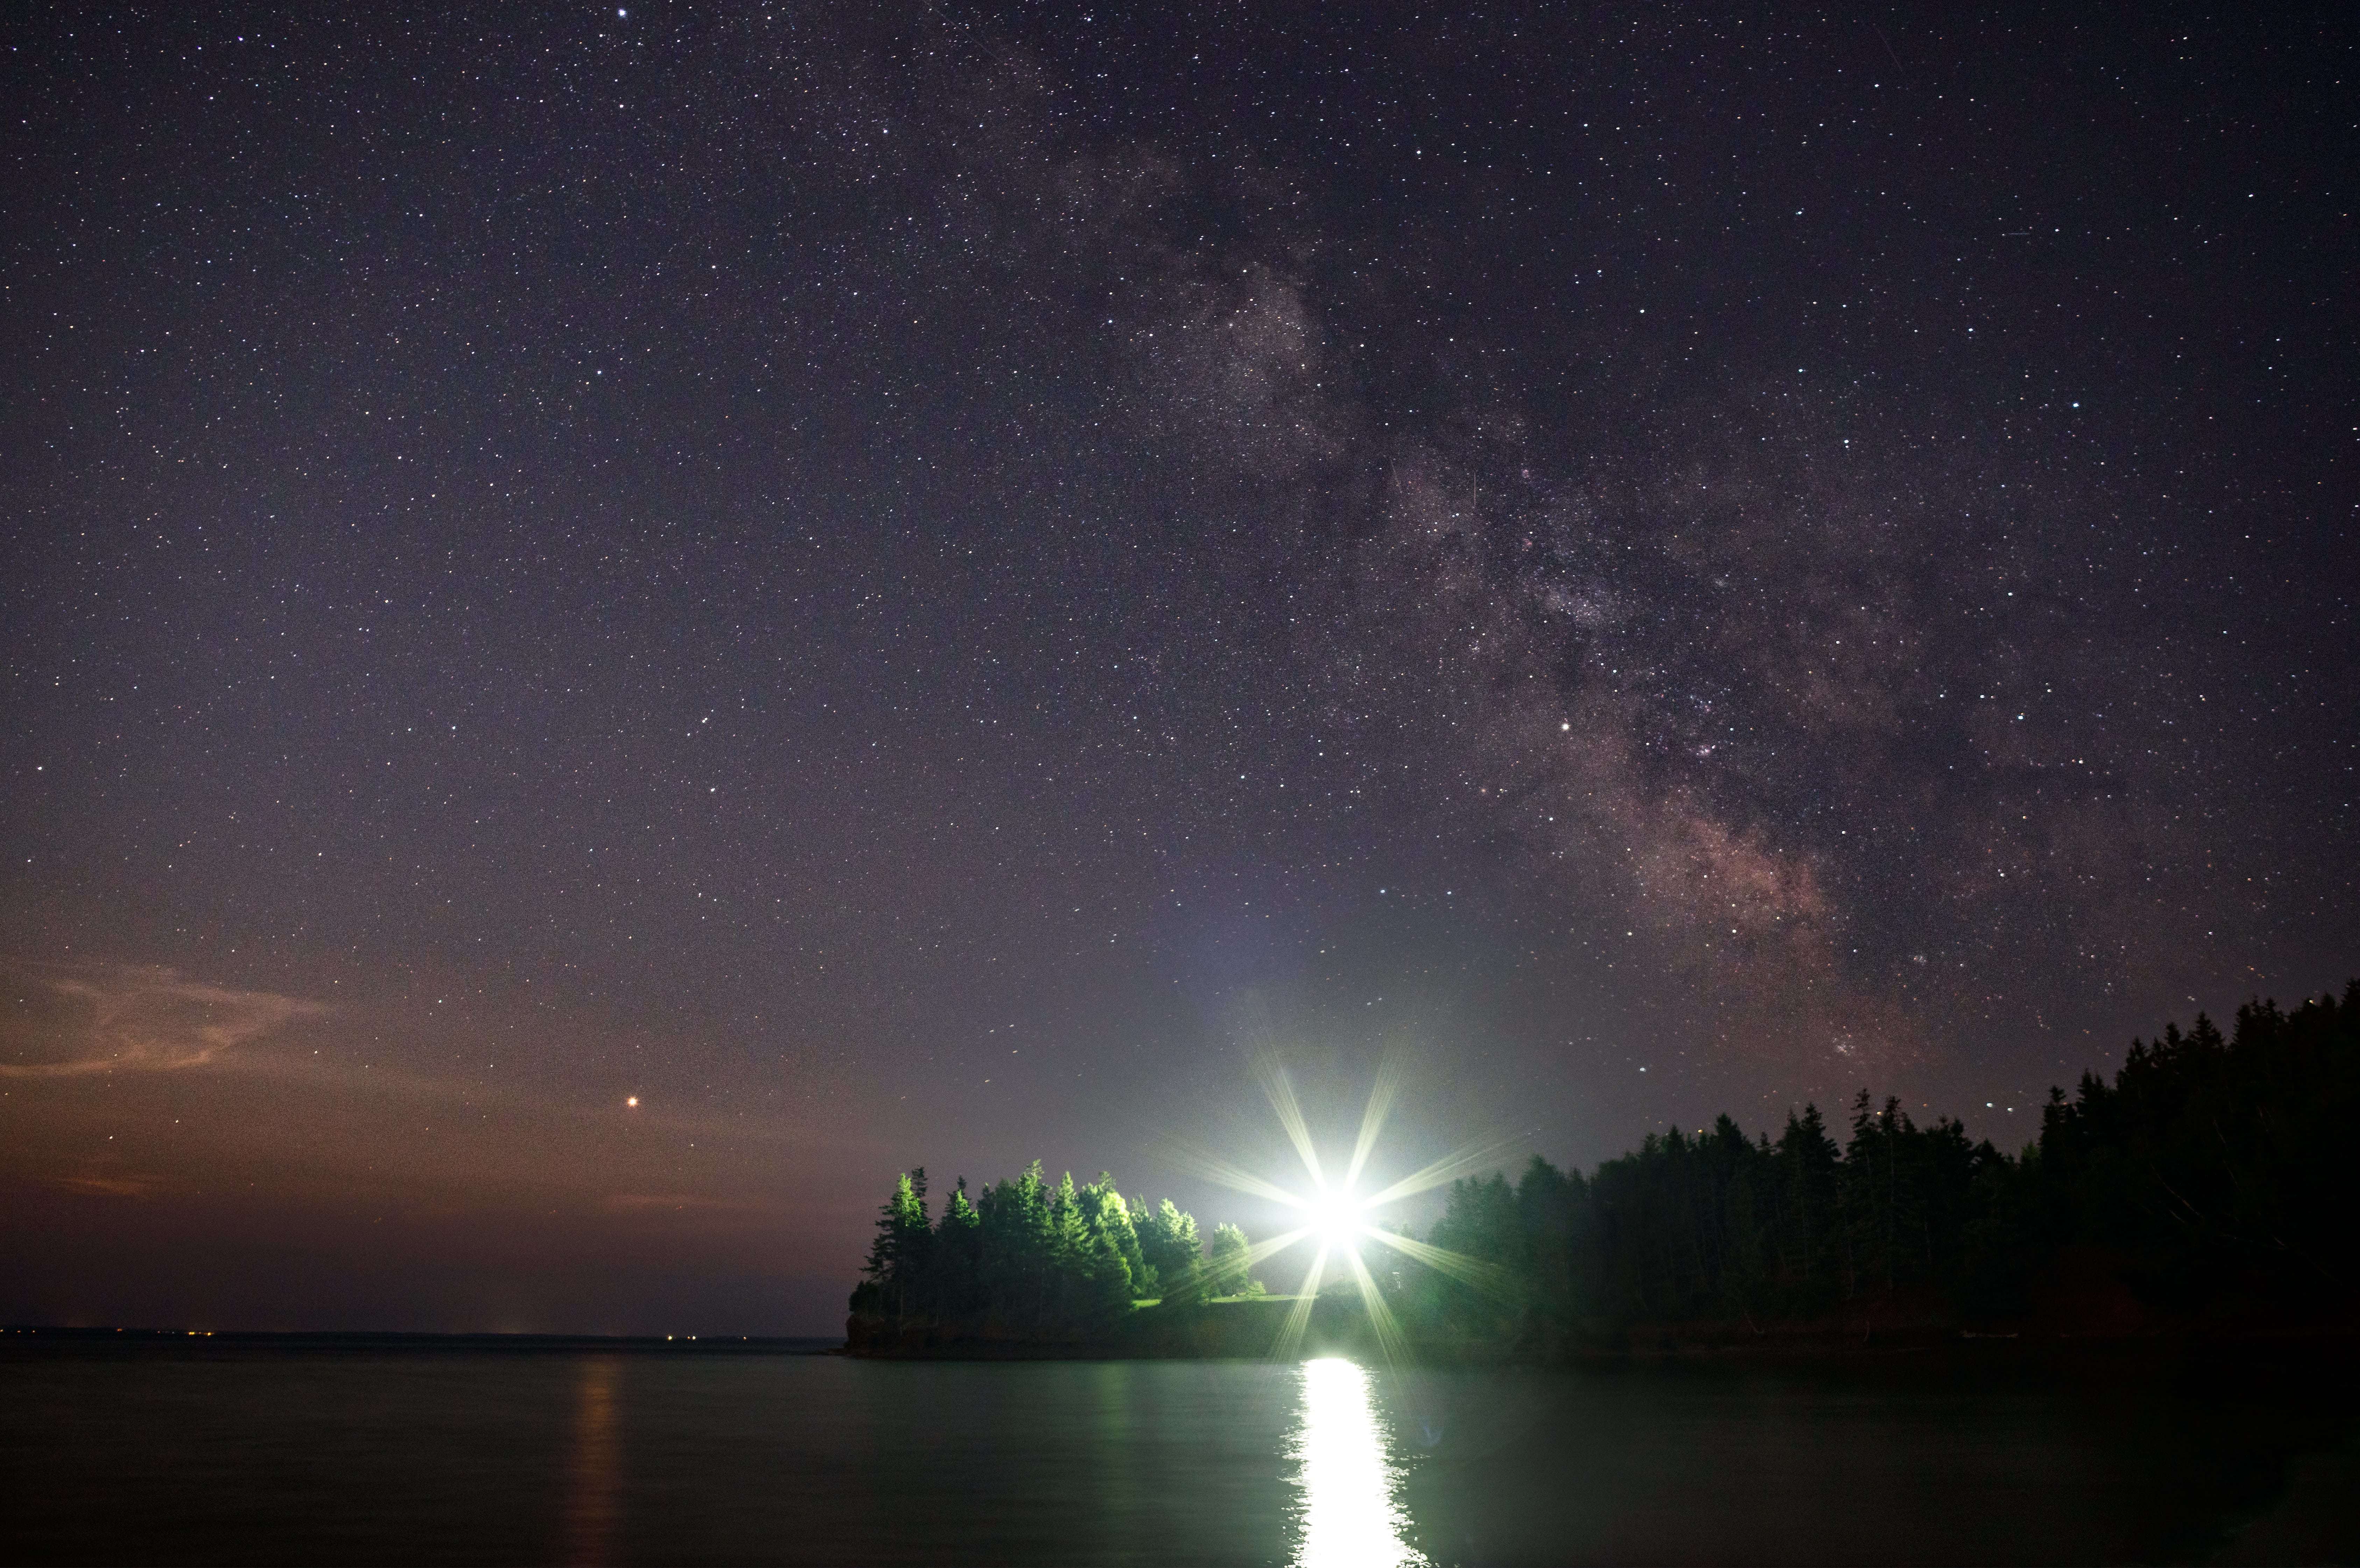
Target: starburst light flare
x=1335 y=1216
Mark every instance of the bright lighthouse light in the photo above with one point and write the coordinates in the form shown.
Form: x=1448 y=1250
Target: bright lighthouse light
x=1333 y=1217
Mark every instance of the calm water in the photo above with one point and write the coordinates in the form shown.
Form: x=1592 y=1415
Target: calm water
x=419 y=1457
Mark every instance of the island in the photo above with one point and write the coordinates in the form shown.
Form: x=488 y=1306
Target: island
x=2198 y=1193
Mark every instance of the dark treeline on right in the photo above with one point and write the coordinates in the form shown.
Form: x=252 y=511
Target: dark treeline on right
x=2211 y=1180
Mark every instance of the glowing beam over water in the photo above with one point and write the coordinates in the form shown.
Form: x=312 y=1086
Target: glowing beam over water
x=1349 y=1517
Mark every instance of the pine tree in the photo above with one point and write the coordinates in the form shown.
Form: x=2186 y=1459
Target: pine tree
x=956 y=1272
x=1228 y=1270
x=1168 y=1240
x=897 y=1255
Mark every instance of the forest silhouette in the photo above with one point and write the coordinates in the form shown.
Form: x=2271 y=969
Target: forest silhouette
x=2199 y=1187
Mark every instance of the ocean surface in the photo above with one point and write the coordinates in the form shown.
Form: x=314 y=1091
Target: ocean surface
x=419 y=1455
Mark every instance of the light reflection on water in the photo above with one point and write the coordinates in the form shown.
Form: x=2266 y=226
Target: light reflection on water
x=593 y=1502
x=1348 y=1480
x=428 y=1457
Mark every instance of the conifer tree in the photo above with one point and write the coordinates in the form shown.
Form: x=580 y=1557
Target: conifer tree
x=897 y=1255
x=958 y=1256
x=1168 y=1240
x=1227 y=1271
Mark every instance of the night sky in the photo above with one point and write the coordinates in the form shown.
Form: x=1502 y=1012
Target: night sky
x=918 y=585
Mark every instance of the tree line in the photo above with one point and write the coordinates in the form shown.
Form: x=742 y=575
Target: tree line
x=1023 y=1260
x=2208 y=1176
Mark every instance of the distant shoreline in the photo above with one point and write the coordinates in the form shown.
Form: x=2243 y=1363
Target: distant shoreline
x=358 y=1341
x=1247 y=1330
x=1698 y=1345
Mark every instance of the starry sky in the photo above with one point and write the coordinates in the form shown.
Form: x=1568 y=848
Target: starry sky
x=924 y=584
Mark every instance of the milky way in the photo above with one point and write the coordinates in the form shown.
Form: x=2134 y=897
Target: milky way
x=915 y=586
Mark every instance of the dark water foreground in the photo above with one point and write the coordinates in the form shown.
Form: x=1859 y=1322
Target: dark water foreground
x=353 y=1453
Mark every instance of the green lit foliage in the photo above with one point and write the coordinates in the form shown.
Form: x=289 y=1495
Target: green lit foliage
x=1175 y=1257
x=1024 y=1259
x=1227 y=1269
x=899 y=1253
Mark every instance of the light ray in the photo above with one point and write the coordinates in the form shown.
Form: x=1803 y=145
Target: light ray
x=1489 y=1278
x=1290 y=1115
x=1450 y=1167
x=1389 y=1338
x=1382 y=1096
x=1260 y=1250
x=1298 y=1317
x=1213 y=1169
